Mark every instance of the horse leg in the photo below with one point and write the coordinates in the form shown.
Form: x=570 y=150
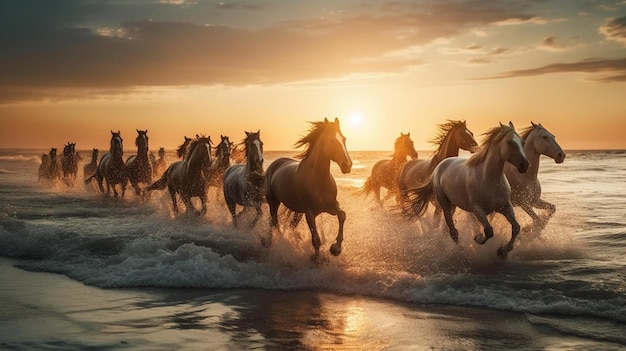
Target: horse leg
x=335 y=249
x=257 y=216
x=448 y=212
x=295 y=220
x=315 y=238
x=515 y=228
x=545 y=205
x=232 y=206
x=203 y=198
x=482 y=218
x=174 y=202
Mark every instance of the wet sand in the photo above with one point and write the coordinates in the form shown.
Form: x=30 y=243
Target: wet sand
x=43 y=311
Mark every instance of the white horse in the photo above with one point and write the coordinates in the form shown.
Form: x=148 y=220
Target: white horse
x=525 y=187
x=243 y=183
x=476 y=185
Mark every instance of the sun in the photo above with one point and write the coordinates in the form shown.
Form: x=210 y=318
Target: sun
x=356 y=119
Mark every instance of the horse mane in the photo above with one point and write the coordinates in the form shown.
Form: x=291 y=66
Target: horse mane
x=309 y=140
x=526 y=132
x=193 y=143
x=492 y=136
x=244 y=143
x=217 y=148
x=180 y=152
x=139 y=133
x=444 y=131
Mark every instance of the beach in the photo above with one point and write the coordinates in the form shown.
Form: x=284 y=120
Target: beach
x=79 y=271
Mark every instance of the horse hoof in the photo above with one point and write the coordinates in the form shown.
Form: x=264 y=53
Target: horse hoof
x=335 y=249
x=480 y=239
x=503 y=252
x=319 y=259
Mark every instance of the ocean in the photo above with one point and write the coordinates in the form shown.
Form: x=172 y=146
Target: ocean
x=82 y=271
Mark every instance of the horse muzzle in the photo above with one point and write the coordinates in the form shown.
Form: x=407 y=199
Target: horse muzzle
x=522 y=167
x=345 y=167
x=560 y=157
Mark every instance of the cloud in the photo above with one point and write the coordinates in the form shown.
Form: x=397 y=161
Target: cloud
x=56 y=51
x=615 y=29
x=604 y=70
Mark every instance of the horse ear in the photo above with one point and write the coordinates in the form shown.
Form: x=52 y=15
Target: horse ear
x=511 y=125
x=112 y=132
x=501 y=125
x=533 y=124
x=325 y=120
x=137 y=130
x=408 y=134
x=336 y=121
x=247 y=134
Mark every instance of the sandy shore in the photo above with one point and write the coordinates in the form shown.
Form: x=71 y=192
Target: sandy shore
x=42 y=311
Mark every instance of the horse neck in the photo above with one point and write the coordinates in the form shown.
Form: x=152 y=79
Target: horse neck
x=493 y=163
x=448 y=148
x=142 y=152
x=398 y=158
x=317 y=162
x=533 y=157
x=194 y=161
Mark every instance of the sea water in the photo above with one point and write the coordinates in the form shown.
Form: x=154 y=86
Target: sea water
x=569 y=278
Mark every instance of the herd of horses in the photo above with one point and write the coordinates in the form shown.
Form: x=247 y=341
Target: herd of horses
x=501 y=173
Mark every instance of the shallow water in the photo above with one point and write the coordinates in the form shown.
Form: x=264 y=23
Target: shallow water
x=569 y=280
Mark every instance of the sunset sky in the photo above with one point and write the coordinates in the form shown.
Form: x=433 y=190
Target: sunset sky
x=73 y=70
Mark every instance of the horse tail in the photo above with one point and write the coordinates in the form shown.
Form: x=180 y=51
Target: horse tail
x=367 y=187
x=415 y=201
x=159 y=184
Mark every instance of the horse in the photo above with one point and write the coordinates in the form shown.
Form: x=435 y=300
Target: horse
x=385 y=172
x=182 y=150
x=69 y=163
x=43 y=167
x=112 y=167
x=139 y=167
x=54 y=168
x=90 y=168
x=159 y=165
x=307 y=186
x=476 y=185
x=525 y=187
x=215 y=175
x=453 y=136
x=187 y=177
x=243 y=183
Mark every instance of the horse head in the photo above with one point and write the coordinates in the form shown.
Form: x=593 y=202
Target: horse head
x=254 y=150
x=544 y=142
x=512 y=148
x=117 y=144
x=404 y=146
x=464 y=138
x=335 y=145
x=223 y=148
x=53 y=154
x=142 y=140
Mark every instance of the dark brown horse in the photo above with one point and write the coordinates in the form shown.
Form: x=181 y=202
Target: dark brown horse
x=215 y=175
x=385 y=172
x=453 y=136
x=69 y=163
x=139 y=167
x=307 y=186
x=90 y=168
x=187 y=177
x=112 y=168
x=243 y=183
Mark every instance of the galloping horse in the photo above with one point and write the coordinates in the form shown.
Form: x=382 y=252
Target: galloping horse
x=476 y=185
x=112 y=168
x=139 y=167
x=453 y=136
x=69 y=163
x=243 y=183
x=525 y=187
x=307 y=186
x=90 y=168
x=43 y=167
x=215 y=175
x=385 y=172
x=187 y=177
x=159 y=165
x=54 y=168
